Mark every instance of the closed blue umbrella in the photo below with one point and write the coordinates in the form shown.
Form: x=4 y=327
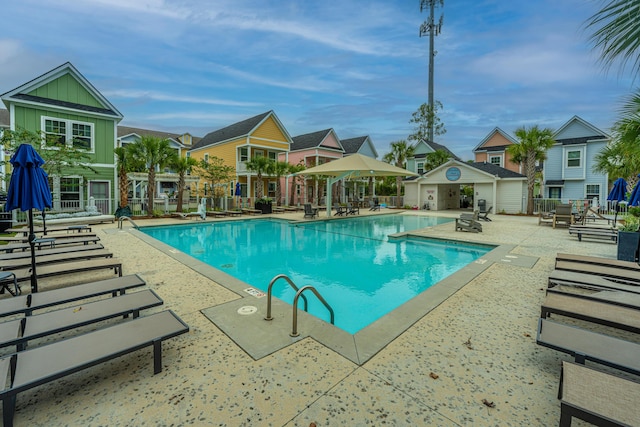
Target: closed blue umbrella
x=238 y=191
x=28 y=190
x=634 y=198
x=618 y=191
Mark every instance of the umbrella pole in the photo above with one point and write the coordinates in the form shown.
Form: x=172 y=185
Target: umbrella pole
x=32 y=244
x=44 y=224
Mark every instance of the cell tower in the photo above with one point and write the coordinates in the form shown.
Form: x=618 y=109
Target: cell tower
x=432 y=29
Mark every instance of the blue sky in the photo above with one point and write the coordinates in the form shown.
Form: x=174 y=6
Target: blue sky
x=356 y=66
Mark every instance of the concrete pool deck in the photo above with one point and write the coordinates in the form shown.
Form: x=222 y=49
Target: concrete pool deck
x=477 y=344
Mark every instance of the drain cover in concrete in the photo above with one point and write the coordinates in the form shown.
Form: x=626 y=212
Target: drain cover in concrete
x=247 y=310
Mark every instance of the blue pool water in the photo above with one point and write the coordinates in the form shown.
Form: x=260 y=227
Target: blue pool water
x=359 y=271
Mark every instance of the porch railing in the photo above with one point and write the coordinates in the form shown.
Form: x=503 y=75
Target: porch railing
x=605 y=207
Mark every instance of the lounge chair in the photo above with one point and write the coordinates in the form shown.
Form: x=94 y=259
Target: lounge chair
x=589 y=310
x=483 y=215
x=40 y=365
x=58 y=236
x=7 y=277
x=310 y=212
x=563 y=213
x=49 y=242
x=251 y=211
x=584 y=345
x=24 y=274
x=19 y=332
x=72 y=228
x=599 y=270
x=589 y=281
x=66 y=249
x=277 y=209
x=352 y=209
x=581 y=231
x=187 y=215
x=341 y=210
x=45 y=258
x=233 y=212
x=27 y=304
x=469 y=222
x=545 y=218
x=597 y=397
x=374 y=205
x=608 y=262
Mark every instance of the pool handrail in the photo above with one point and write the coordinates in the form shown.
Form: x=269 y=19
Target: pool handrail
x=294 y=331
x=270 y=292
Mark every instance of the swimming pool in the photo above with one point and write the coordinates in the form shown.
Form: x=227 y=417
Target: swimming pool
x=361 y=273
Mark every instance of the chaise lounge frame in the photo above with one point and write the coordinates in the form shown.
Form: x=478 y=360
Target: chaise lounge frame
x=40 y=365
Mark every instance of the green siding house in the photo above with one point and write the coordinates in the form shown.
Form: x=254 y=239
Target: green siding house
x=69 y=110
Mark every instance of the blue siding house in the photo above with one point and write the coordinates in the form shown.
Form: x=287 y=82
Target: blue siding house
x=568 y=171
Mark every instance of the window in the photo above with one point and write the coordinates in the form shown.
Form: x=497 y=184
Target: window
x=495 y=160
x=592 y=190
x=55 y=133
x=573 y=159
x=70 y=196
x=420 y=168
x=271 y=190
x=59 y=133
x=206 y=158
x=273 y=155
x=244 y=154
x=258 y=153
x=555 y=192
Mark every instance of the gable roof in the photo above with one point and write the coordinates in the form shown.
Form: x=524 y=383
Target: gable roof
x=124 y=131
x=22 y=93
x=597 y=134
x=352 y=145
x=237 y=130
x=435 y=147
x=496 y=170
x=489 y=136
x=314 y=140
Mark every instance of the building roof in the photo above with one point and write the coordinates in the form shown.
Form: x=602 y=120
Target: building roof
x=435 y=147
x=236 y=130
x=581 y=140
x=127 y=130
x=480 y=147
x=312 y=140
x=495 y=170
x=352 y=145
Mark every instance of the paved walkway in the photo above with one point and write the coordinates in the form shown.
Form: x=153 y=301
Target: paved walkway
x=477 y=346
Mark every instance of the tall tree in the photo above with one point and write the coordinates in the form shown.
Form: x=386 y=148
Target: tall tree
x=297 y=180
x=435 y=159
x=260 y=165
x=182 y=166
x=400 y=152
x=278 y=169
x=156 y=153
x=215 y=172
x=531 y=147
x=616 y=33
x=123 y=167
x=621 y=158
x=425 y=119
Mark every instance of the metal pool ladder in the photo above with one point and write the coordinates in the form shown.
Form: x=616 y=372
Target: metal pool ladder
x=299 y=293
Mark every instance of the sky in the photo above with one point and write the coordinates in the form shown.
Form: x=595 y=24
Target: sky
x=356 y=66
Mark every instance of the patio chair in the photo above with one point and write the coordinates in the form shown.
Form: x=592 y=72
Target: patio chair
x=631 y=276
x=352 y=209
x=374 y=205
x=310 y=212
x=597 y=397
x=44 y=258
x=483 y=215
x=601 y=312
x=40 y=365
x=563 y=213
x=596 y=232
x=49 y=242
x=469 y=222
x=583 y=345
x=341 y=210
x=6 y=256
x=545 y=218
x=27 y=304
x=607 y=262
x=589 y=281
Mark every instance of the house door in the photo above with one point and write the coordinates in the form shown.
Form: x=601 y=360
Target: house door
x=100 y=191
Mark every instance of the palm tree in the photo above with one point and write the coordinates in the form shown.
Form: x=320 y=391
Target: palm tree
x=435 y=159
x=617 y=33
x=182 y=166
x=621 y=158
x=260 y=165
x=123 y=157
x=531 y=147
x=400 y=152
x=297 y=179
x=278 y=169
x=156 y=153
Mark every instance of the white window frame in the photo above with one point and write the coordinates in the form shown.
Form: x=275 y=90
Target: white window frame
x=590 y=194
x=272 y=155
x=68 y=135
x=492 y=158
x=420 y=168
x=244 y=154
x=257 y=153
x=206 y=157
x=579 y=159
